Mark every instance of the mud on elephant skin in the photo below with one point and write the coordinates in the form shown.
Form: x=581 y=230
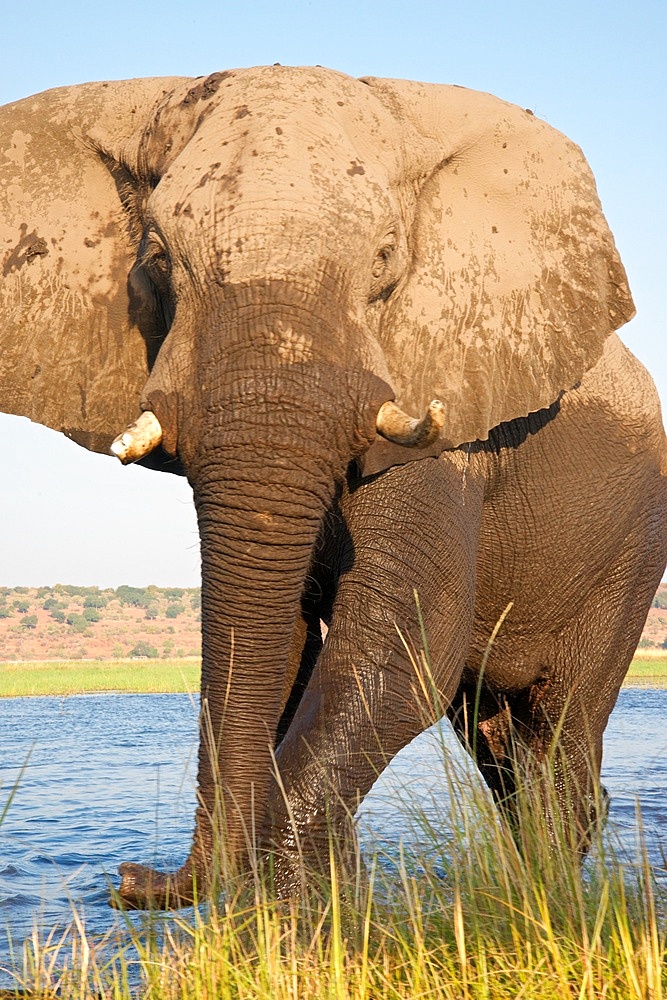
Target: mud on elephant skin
x=373 y=321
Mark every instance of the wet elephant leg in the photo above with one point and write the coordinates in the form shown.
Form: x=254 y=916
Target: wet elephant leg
x=413 y=529
x=539 y=751
x=570 y=537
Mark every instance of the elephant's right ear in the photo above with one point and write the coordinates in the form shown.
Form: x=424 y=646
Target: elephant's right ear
x=73 y=353
x=515 y=281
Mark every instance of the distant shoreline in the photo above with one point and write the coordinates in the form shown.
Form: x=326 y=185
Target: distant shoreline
x=63 y=678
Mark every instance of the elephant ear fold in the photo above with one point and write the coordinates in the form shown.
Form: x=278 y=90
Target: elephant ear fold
x=73 y=351
x=515 y=282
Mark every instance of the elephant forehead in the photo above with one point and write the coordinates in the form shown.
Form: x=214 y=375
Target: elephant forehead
x=296 y=110
x=238 y=169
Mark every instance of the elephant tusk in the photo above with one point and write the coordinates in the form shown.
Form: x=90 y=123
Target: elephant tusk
x=395 y=425
x=138 y=438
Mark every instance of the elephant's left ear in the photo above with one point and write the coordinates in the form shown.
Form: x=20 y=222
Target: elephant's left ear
x=515 y=281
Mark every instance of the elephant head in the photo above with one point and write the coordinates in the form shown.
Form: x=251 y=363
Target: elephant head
x=256 y=277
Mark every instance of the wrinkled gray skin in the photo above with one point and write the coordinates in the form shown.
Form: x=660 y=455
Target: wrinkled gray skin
x=262 y=258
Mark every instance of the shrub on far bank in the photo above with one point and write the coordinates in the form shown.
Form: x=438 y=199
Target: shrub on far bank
x=135 y=597
x=144 y=648
x=73 y=591
x=95 y=601
x=77 y=622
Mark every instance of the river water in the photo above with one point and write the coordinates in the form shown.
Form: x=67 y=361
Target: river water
x=102 y=779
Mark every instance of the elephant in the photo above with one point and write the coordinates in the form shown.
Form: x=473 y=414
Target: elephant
x=374 y=323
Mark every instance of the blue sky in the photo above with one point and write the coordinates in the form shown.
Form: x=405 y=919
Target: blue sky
x=595 y=70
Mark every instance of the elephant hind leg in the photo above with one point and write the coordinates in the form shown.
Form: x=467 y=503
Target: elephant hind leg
x=539 y=756
x=556 y=724
x=483 y=722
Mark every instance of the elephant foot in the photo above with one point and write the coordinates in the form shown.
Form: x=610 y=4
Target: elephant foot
x=143 y=888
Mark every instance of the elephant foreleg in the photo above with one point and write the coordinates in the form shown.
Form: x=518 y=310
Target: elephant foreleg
x=413 y=531
x=316 y=606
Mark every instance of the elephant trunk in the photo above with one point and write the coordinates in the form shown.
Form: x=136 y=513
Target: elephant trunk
x=273 y=446
x=257 y=541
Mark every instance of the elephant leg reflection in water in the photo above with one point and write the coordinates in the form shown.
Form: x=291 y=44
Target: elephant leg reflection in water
x=376 y=330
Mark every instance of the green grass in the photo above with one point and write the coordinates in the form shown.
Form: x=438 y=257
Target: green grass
x=647 y=671
x=18 y=680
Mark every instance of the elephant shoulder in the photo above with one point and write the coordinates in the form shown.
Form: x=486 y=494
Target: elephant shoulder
x=620 y=385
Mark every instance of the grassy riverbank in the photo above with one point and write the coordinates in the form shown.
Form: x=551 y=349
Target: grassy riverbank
x=67 y=677
x=648 y=670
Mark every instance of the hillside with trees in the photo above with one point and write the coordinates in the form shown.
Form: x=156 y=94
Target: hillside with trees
x=654 y=635
x=67 y=622
x=72 y=623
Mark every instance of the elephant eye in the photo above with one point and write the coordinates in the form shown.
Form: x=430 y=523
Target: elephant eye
x=153 y=256
x=382 y=259
x=385 y=268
